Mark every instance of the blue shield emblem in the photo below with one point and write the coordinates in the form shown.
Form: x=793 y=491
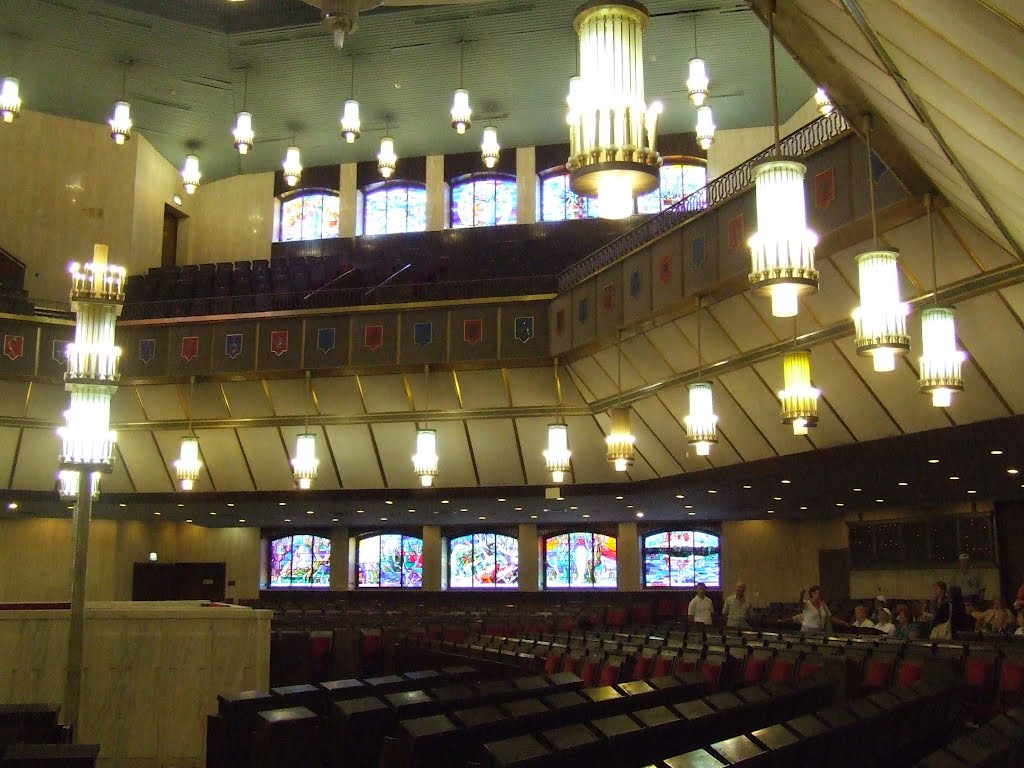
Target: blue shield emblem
x=422 y=334
x=325 y=339
x=147 y=350
x=635 y=283
x=583 y=310
x=524 y=328
x=233 y=345
x=59 y=352
x=697 y=256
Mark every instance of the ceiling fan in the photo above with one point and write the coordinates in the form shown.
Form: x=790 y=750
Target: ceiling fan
x=341 y=17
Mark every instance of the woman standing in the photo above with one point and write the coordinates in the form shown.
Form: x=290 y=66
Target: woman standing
x=816 y=618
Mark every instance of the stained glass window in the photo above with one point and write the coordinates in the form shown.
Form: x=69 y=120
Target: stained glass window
x=483 y=201
x=559 y=203
x=390 y=560
x=302 y=560
x=309 y=216
x=677 y=181
x=682 y=559
x=580 y=560
x=483 y=560
x=393 y=207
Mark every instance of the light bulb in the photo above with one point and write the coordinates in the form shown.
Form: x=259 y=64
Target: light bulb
x=121 y=123
x=697 y=82
x=386 y=158
x=461 y=112
x=350 y=122
x=243 y=133
x=292 y=166
x=883 y=360
x=490 y=147
x=784 y=300
x=614 y=197
x=190 y=174
x=705 y=127
x=10 y=99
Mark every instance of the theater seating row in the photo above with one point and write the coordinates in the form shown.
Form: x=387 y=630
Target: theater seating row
x=999 y=743
x=31 y=737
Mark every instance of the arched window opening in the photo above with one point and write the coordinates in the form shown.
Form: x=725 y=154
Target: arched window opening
x=300 y=560
x=559 y=203
x=390 y=560
x=483 y=200
x=393 y=207
x=308 y=215
x=682 y=559
x=580 y=560
x=677 y=181
x=483 y=560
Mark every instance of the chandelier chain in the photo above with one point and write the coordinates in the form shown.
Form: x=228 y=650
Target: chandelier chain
x=352 y=79
x=695 y=37
x=245 y=89
x=426 y=396
x=188 y=405
x=462 y=63
x=698 y=339
x=309 y=396
x=871 y=181
x=775 y=85
x=931 y=241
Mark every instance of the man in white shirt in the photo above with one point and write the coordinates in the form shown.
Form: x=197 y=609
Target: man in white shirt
x=701 y=608
x=885 y=624
x=860 y=618
x=736 y=610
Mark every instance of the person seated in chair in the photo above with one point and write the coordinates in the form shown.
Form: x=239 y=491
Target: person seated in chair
x=860 y=618
x=996 y=620
x=884 y=624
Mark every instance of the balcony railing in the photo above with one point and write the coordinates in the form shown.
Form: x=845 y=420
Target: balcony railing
x=800 y=143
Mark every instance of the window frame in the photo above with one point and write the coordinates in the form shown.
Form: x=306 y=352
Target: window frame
x=560 y=171
x=571 y=532
x=390 y=185
x=474 y=178
x=684 y=161
x=303 y=193
x=669 y=531
x=362 y=538
x=277 y=536
x=494 y=585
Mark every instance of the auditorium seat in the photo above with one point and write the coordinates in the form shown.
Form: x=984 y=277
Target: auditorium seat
x=286 y=737
x=356 y=732
x=50 y=755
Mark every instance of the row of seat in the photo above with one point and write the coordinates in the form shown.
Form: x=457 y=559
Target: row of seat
x=32 y=737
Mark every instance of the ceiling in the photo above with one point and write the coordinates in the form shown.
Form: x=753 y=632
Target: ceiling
x=186 y=81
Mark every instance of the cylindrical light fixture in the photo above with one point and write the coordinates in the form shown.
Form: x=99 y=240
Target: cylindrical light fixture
x=188 y=465
x=67 y=483
x=799 y=398
x=292 y=166
x=701 y=422
x=823 y=102
x=490 y=147
x=620 y=440
x=425 y=461
x=941 y=361
x=461 y=111
x=190 y=174
x=557 y=454
x=10 y=99
x=705 y=127
x=350 y=122
x=387 y=160
x=782 y=249
x=881 y=319
x=697 y=83
x=243 y=133
x=305 y=463
x=121 y=123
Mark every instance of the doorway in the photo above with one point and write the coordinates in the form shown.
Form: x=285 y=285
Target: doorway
x=834 y=574
x=169 y=248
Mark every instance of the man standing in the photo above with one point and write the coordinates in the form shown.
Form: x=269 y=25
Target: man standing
x=701 y=608
x=736 y=610
x=969 y=581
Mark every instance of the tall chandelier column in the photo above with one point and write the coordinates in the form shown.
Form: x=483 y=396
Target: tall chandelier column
x=612 y=129
x=620 y=441
x=557 y=456
x=701 y=422
x=425 y=461
x=97 y=297
x=305 y=463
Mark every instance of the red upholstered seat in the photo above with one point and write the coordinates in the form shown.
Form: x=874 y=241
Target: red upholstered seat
x=754 y=670
x=616 y=617
x=570 y=663
x=712 y=671
x=641 y=613
x=807 y=670
x=1011 y=682
x=909 y=673
x=877 y=673
x=684 y=664
x=552 y=662
x=589 y=672
x=641 y=667
x=978 y=672
x=662 y=666
x=781 y=671
x=609 y=674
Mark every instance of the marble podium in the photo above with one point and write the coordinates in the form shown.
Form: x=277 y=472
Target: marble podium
x=152 y=672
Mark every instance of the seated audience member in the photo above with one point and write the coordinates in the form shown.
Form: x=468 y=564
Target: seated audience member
x=996 y=620
x=923 y=612
x=906 y=627
x=1020 y=624
x=701 y=608
x=884 y=624
x=876 y=613
x=816 y=617
x=860 y=618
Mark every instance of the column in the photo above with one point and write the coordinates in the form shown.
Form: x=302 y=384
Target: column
x=529 y=558
x=437 y=194
x=526 y=185
x=342 y=565
x=349 y=207
x=628 y=543
x=433 y=567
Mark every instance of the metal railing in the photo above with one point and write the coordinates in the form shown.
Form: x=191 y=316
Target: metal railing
x=797 y=144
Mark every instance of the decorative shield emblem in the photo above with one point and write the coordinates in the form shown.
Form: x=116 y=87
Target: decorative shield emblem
x=608 y=296
x=736 y=231
x=147 y=350
x=422 y=333
x=824 y=189
x=697 y=254
x=189 y=348
x=59 y=351
x=560 y=321
x=233 y=345
x=473 y=331
x=635 y=283
x=325 y=339
x=583 y=310
x=373 y=337
x=524 y=328
x=665 y=269
x=279 y=342
x=14 y=346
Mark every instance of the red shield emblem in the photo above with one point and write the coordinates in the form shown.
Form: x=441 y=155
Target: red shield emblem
x=824 y=189
x=279 y=342
x=665 y=269
x=608 y=296
x=14 y=346
x=373 y=337
x=560 y=321
x=473 y=331
x=736 y=231
x=189 y=348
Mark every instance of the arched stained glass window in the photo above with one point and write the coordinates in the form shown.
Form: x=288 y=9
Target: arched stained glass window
x=580 y=560
x=300 y=560
x=392 y=207
x=390 y=560
x=677 y=181
x=559 y=203
x=309 y=215
x=483 y=200
x=483 y=560
x=682 y=559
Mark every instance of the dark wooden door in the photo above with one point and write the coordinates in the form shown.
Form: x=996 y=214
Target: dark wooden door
x=834 y=573
x=179 y=581
x=1010 y=547
x=169 y=252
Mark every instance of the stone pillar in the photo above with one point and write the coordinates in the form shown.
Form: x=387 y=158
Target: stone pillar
x=528 y=210
x=628 y=543
x=342 y=564
x=433 y=566
x=437 y=194
x=350 y=210
x=529 y=558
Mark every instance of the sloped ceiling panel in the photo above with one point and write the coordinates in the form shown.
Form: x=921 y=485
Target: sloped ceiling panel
x=495 y=452
x=268 y=457
x=356 y=453
x=227 y=465
x=144 y=462
x=36 y=469
x=8 y=446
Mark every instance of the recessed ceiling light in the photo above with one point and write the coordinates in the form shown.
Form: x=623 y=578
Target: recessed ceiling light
x=309 y=511
x=972 y=491
x=786 y=482
x=444 y=501
x=13 y=505
x=776 y=498
x=712 y=490
x=933 y=461
x=287 y=519
x=748 y=487
x=560 y=498
x=639 y=514
x=241 y=519
x=189 y=520
x=519 y=509
x=880 y=501
x=389 y=501
x=282 y=503
x=122 y=505
x=954 y=477
x=687 y=506
x=383 y=519
x=482 y=517
x=1012 y=471
x=680 y=496
x=629 y=506
x=996 y=452
x=771 y=511
x=803 y=507
x=691 y=513
x=231 y=503
x=181 y=505
x=334 y=519
x=840 y=504
x=157 y=514
x=500 y=499
x=586 y=515
x=857 y=490
x=574 y=507
x=463 y=510
x=533 y=517
x=902 y=483
x=213 y=514
x=360 y=511
x=619 y=498
x=412 y=510
x=71 y=506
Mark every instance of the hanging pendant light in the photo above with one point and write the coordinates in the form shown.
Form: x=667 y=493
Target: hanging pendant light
x=698 y=81
x=799 y=398
x=461 y=111
x=67 y=484
x=782 y=249
x=425 y=460
x=387 y=160
x=350 y=123
x=188 y=464
x=489 y=148
x=121 y=121
x=305 y=463
x=881 y=319
x=705 y=127
x=557 y=456
x=10 y=99
x=823 y=102
x=292 y=166
x=190 y=174
x=242 y=132
x=701 y=422
x=620 y=439
x=940 y=372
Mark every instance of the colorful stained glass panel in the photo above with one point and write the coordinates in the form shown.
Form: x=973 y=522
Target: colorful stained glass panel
x=483 y=560
x=302 y=560
x=392 y=209
x=559 y=203
x=682 y=559
x=677 y=181
x=581 y=560
x=390 y=560
x=484 y=202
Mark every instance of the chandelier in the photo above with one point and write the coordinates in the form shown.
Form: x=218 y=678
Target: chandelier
x=698 y=81
x=823 y=102
x=68 y=484
x=121 y=122
x=292 y=166
x=305 y=462
x=461 y=111
x=701 y=422
x=190 y=174
x=350 y=123
x=10 y=99
x=243 y=134
x=489 y=148
x=799 y=398
x=620 y=440
x=612 y=130
x=557 y=454
x=705 y=127
x=941 y=361
x=188 y=464
x=387 y=160
x=425 y=461
x=782 y=249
